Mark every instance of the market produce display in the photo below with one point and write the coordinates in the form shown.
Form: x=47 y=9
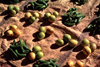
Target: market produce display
x=72 y=17
x=37 y=5
x=33 y=35
x=18 y=49
x=13 y=31
x=13 y=10
x=51 y=17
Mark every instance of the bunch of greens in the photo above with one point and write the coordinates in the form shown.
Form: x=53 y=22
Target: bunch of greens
x=49 y=63
x=12 y=1
x=37 y=5
x=72 y=17
x=94 y=26
x=18 y=49
x=79 y=2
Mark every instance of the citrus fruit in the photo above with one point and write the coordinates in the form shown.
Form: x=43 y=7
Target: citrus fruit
x=67 y=37
x=28 y=15
x=9 y=33
x=59 y=42
x=86 y=50
x=32 y=19
x=70 y=63
x=13 y=27
x=51 y=18
x=46 y=16
x=36 y=14
x=12 y=13
x=55 y=13
x=50 y=30
x=39 y=55
x=41 y=35
x=85 y=42
x=93 y=46
x=17 y=9
x=10 y=7
x=79 y=64
x=73 y=42
x=36 y=49
x=32 y=56
x=42 y=29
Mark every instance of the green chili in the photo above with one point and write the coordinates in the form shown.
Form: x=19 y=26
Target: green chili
x=15 y=55
x=55 y=60
x=19 y=54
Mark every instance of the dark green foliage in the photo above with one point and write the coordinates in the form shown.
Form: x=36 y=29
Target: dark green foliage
x=12 y=1
x=80 y=2
x=19 y=49
x=94 y=26
x=37 y=5
x=48 y=63
x=72 y=17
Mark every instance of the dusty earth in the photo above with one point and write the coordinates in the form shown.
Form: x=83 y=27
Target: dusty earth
x=49 y=48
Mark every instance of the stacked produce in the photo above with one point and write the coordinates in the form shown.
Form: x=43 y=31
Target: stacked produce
x=78 y=63
x=13 y=10
x=13 y=31
x=18 y=49
x=48 y=63
x=72 y=17
x=51 y=17
x=36 y=53
x=31 y=17
x=42 y=32
x=37 y=5
x=68 y=39
x=86 y=49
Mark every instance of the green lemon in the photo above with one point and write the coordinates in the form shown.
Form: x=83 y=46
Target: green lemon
x=85 y=42
x=32 y=19
x=51 y=18
x=42 y=29
x=67 y=37
x=46 y=16
x=73 y=42
x=93 y=46
x=41 y=35
x=17 y=9
x=59 y=42
x=27 y=15
x=32 y=56
x=55 y=13
x=12 y=13
x=36 y=49
x=36 y=14
x=10 y=7
x=86 y=50
x=39 y=55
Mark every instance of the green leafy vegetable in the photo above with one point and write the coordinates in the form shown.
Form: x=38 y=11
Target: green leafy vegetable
x=72 y=17
x=37 y=5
